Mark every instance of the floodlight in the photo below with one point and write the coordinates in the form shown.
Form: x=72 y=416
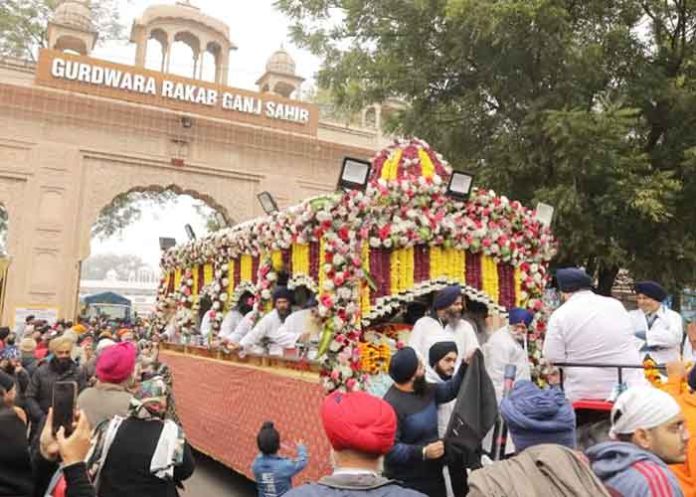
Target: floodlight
x=189 y=232
x=544 y=213
x=460 y=185
x=166 y=243
x=354 y=174
x=267 y=202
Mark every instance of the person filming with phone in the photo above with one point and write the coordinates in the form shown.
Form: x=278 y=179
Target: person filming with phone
x=60 y=367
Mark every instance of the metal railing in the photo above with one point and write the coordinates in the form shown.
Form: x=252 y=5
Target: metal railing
x=620 y=367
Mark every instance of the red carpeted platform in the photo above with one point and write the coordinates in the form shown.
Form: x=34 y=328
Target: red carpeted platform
x=222 y=406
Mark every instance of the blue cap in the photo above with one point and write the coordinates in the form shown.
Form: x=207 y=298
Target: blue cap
x=519 y=315
x=572 y=279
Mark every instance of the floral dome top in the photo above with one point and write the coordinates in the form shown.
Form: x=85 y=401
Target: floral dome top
x=409 y=160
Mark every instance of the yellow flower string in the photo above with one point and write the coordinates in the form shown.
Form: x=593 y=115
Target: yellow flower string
x=300 y=258
x=461 y=266
x=490 y=277
x=518 y=288
x=407 y=268
x=435 y=262
x=194 y=288
x=277 y=260
x=391 y=165
x=322 y=273
x=395 y=272
x=428 y=169
x=207 y=274
x=245 y=267
x=365 y=306
x=177 y=279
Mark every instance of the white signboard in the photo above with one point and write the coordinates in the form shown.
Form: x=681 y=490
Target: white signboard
x=48 y=314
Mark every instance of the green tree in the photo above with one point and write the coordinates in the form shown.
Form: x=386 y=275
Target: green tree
x=23 y=24
x=587 y=105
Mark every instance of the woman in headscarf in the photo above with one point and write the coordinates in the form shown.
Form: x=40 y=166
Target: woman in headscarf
x=144 y=453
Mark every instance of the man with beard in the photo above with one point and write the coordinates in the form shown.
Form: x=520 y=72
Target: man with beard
x=60 y=367
x=445 y=324
x=268 y=331
x=11 y=363
x=506 y=346
x=235 y=316
x=417 y=456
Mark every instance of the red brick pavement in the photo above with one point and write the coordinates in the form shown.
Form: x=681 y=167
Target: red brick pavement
x=222 y=406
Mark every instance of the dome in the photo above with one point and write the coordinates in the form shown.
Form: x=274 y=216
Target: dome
x=183 y=11
x=409 y=159
x=281 y=62
x=73 y=13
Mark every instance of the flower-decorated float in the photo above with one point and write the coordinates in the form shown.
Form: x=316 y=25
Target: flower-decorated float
x=366 y=255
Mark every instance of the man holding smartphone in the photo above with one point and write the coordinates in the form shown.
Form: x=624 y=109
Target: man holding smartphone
x=60 y=367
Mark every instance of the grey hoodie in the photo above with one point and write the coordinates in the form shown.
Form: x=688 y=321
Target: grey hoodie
x=629 y=471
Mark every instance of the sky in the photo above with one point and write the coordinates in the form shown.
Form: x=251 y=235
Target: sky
x=257 y=29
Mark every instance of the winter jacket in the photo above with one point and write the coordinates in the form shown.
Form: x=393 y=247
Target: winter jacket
x=273 y=474
x=104 y=401
x=16 y=478
x=29 y=363
x=40 y=392
x=686 y=472
x=629 y=471
x=542 y=470
x=348 y=485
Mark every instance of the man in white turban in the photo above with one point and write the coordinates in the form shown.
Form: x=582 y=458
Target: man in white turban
x=649 y=433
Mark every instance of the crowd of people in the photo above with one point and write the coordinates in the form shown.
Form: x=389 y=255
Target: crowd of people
x=440 y=429
x=125 y=439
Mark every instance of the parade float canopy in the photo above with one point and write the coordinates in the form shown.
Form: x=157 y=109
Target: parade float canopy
x=367 y=253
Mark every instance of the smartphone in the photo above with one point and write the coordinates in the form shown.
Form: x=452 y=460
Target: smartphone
x=64 y=400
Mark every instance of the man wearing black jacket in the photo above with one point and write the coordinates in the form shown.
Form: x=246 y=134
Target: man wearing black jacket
x=417 y=456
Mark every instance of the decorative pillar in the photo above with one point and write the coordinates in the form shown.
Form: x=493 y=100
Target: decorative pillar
x=141 y=50
x=222 y=67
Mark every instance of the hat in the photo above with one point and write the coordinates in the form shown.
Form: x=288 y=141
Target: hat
x=403 y=365
x=538 y=416
x=115 y=364
x=10 y=353
x=311 y=302
x=6 y=381
x=440 y=350
x=268 y=439
x=572 y=279
x=282 y=292
x=651 y=289
x=27 y=345
x=150 y=399
x=79 y=329
x=641 y=407
x=358 y=421
x=519 y=315
x=446 y=297
x=104 y=343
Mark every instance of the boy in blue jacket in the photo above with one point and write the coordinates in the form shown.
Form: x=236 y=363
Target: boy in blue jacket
x=273 y=473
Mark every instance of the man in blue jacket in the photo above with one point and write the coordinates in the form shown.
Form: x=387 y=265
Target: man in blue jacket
x=649 y=432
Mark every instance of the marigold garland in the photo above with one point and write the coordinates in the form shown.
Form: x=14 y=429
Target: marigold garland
x=246 y=263
x=490 y=277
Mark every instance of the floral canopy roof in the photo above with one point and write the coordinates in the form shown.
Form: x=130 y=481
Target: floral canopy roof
x=365 y=253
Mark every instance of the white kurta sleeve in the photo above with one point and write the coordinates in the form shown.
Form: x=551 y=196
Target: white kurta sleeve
x=206 y=324
x=554 y=344
x=257 y=333
x=496 y=357
x=667 y=331
x=242 y=329
x=417 y=340
x=229 y=323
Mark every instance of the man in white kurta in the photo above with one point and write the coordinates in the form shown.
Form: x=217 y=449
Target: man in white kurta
x=270 y=327
x=207 y=323
x=445 y=325
x=659 y=330
x=508 y=345
x=590 y=329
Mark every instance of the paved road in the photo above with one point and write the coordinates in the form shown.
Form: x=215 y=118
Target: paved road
x=212 y=479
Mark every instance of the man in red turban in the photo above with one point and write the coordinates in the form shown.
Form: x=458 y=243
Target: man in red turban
x=361 y=429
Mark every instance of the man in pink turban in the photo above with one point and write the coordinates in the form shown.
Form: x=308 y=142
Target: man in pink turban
x=109 y=397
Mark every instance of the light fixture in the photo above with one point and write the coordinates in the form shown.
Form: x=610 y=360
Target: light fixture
x=166 y=243
x=460 y=185
x=189 y=232
x=544 y=213
x=354 y=174
x=267 y=202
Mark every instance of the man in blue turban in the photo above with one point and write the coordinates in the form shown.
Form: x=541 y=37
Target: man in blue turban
x=590 y=329
x=660 y=330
